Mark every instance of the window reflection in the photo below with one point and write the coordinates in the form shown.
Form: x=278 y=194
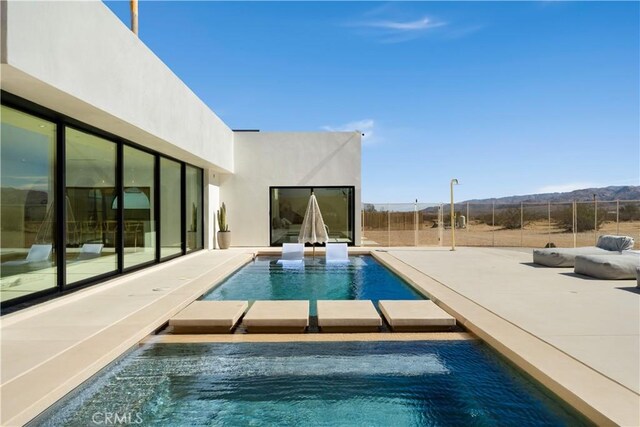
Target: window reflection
x=288 y=206
x=193 y=207
x=27 y=150
x=170 y=211
x=139 y=209
x=91 y=223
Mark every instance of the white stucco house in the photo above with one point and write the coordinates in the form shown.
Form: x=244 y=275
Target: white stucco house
x=91 y=117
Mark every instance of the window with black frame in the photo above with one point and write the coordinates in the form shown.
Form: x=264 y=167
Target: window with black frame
x=288 y=206
x=27 y=253
x=64 y=186
x=91 y=206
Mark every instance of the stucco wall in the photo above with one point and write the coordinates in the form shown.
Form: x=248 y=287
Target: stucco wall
x=264 y=159
x=79 y=59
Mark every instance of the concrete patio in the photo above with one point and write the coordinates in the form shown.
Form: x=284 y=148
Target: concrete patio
x=577 y=336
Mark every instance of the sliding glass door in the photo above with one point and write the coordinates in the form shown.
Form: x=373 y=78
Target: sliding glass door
x=80 y=205
x=27 y=240
x=91 y=225
x=193 y=207
x=139 y=207
x=288 y=206
x=170 y=208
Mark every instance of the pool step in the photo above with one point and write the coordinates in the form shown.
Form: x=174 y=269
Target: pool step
x=277 y=316
x=212 y=317
x=208 y=317
x=348 y=316
x=422 y=316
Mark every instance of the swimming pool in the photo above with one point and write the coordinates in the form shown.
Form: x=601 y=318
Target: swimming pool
x=312 y=384
x=363 y=278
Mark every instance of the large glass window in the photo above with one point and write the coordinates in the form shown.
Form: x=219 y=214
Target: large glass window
x=336 y=207
x=139 y=213
x=170 y=208
x=288 y=206
x=193 y=208
x=91 y=224
x=109 y=222
x=27 y=238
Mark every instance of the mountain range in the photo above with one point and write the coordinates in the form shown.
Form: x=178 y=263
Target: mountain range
x=627 y=192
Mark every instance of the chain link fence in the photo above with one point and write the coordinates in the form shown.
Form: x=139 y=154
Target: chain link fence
x=535 y=225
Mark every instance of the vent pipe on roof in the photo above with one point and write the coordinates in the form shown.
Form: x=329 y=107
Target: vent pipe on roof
x=134 y=16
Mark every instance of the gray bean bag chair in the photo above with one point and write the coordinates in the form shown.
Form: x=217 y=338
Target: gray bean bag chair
x=609 y=267
x=565 y=257
x=637 y=277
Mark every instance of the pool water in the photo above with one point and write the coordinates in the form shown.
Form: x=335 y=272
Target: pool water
x=362 y=279
x=426 y=383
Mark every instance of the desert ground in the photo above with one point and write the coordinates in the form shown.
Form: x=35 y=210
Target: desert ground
x=534 y=235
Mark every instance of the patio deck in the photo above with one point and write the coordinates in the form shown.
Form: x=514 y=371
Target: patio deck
x=577 y=336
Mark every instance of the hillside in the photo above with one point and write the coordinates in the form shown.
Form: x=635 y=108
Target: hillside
x=628 y=192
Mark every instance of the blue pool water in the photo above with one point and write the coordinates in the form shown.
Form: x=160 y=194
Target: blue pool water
x=428 y=383
x=264 y=279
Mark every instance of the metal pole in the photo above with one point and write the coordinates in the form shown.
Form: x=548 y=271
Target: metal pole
x=575 y=224
x=549 y=215
x=453 y=225
x=467 y=221
x=440 y=224
x=493 y=223
x=595 y=219
x=618 y=217
x=362 y=229
x=388 y=226
x=521 y=224
x=415 y=227
x=134 y=16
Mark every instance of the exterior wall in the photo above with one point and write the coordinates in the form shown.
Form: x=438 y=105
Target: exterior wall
x=264 y=159
x=211 y=192
x=77 y=58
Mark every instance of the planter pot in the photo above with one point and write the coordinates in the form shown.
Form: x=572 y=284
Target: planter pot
x=224 y=239
x=191 y=239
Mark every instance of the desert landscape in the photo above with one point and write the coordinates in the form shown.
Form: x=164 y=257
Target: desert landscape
x=500 y=226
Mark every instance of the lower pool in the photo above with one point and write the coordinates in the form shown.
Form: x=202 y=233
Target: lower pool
x=362 y=279
x=426 y=383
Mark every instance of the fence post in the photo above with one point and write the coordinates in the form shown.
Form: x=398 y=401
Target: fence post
x=466 y=224
x=575 y=224
x=415 y=224
x=618 y=217
x=521 y=224
x=362 y=229
x=493 y=223
x=388 y=226
x=440 y=224
x=549 y=215
x=595 y=220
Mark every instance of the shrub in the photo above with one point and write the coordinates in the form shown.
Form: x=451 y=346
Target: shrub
x=585 y=217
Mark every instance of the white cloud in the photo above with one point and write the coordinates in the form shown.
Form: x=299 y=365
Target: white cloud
x=418 y=25
x=563 y=188
x=365 y=126
x=395 y=30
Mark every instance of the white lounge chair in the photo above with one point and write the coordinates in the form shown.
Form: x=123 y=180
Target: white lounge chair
x=337 y=253
x=566 y=257
x=292 y=255
x=90 y=251
x=609 y=267
x=37 y=254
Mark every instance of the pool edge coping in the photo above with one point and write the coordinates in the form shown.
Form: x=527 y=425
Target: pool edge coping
x=590 y=392
x=507 y=339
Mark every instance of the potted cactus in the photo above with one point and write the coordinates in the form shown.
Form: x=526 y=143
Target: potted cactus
x=224 y=235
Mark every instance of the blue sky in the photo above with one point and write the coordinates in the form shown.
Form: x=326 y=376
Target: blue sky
x=508 y=97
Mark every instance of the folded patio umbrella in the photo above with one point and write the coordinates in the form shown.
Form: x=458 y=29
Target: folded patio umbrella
x=313 y=229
